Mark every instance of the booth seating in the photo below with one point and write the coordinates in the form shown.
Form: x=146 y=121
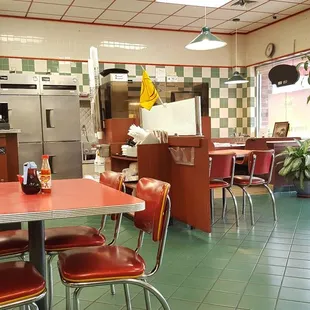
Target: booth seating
x=260 y=168
x=107 y=265
x=59 y=239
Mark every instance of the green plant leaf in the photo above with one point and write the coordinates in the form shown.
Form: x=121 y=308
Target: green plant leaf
x=280 y=163
x=297 y=174
x=307 y=174
x=307 y=160
x=299 y=65
x=308 y=99
x=296 y=163
x=301 y=179
x=283 y=172
x=287 y=161
x=309 y=79
x=306 y=65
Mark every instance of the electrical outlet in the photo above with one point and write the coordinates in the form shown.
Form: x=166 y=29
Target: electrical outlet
x=172 y=79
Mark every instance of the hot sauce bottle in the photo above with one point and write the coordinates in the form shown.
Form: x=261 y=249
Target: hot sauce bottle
x=46 y=175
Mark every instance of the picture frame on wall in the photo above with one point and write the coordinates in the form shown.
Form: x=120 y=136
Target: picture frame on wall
x=280 y=129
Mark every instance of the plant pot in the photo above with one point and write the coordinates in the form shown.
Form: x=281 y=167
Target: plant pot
x=305 y=193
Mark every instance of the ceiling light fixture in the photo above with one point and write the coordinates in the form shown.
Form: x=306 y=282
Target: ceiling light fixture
x=237 y=78
x=205 y=3
x=205 y=40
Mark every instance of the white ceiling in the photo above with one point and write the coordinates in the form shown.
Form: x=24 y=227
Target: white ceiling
x=149 y=14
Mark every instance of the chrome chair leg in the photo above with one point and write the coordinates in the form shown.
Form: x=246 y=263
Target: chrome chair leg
x=68 y=298
x=236 y=206
x=156 y=293
x=76 y=294
x=112 y=289
x=212 y=205
x=50 y=289
x=34 y=306
x=147 y=298
x=274 y=208
x=127 y=297
x=224 y=199
x=224 y=203
x=251 y=204
x=243 y=202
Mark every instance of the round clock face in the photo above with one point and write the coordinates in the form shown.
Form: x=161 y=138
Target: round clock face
x=270 y=49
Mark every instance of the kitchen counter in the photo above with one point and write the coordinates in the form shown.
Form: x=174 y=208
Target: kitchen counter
x=10 y=131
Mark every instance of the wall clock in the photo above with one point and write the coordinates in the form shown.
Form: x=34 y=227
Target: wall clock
x=270 y=50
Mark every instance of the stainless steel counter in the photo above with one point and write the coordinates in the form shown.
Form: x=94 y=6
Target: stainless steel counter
x=9 y=131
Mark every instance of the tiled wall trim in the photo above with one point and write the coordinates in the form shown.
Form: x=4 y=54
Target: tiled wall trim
x=232 y=108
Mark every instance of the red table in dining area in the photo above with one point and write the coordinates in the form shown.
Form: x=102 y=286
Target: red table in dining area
x=68 y=199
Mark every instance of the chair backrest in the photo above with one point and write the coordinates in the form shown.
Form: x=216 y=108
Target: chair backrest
x=222 y=165
x=263 y=162
x=112 y=179
x=256 y=144
x=152 y=219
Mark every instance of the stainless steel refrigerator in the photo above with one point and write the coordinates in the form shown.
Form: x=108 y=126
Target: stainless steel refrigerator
x=22 y=94
x=61 y=125
x=46 y=109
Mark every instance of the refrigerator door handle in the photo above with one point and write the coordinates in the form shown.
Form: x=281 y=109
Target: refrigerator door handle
x=50 y=118
x=51 y=162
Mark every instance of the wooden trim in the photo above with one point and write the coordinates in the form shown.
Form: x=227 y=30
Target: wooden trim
x=185 y=141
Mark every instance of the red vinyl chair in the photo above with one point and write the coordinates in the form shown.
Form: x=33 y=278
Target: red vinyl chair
x=20 y=285
x=107 y=265
x=221 y=171
x=260 y=164
x=13 y=243
x=59 y=239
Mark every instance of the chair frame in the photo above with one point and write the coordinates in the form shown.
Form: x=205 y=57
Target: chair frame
x=29 y=302
x=52 y=254
x=265 y=184
x=224 y=193
x=141 y=281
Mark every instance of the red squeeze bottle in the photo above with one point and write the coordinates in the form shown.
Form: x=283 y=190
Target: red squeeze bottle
x=46 y=175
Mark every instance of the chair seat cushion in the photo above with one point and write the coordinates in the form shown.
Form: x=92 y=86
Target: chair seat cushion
x=94 y=264
x=19 y=281
x=13 y=242
x=218 y=184
x=64 y=238
x=244 y=180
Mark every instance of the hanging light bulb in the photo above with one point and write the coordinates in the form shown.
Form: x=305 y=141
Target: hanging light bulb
x=236 y=78
x=205 y=40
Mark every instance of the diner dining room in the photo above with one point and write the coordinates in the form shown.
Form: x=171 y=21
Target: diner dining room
x=154 y=154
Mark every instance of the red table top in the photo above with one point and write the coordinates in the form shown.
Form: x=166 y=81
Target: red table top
x=239 y=152
x=69 y=198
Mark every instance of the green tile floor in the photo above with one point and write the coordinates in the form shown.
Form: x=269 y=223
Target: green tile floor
x=264 y=267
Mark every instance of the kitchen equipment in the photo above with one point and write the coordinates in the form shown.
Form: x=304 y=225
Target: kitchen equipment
x=61 y=125
x=113 y=94
x=46 y=109
x=21 y=93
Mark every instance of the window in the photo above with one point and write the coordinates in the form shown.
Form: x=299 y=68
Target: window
x=279 y=104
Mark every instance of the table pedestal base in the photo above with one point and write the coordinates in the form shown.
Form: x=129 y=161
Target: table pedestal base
x=37 y=252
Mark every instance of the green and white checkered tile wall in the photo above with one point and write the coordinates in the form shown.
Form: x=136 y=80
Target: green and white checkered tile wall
x=232 y=108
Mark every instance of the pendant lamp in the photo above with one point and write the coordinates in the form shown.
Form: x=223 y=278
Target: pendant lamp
x=205 y=40
x=236 y=78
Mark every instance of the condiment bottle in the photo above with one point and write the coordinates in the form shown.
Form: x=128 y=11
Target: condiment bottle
x=46 y=175
x=31 y=184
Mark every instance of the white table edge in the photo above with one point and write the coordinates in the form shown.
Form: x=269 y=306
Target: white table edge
x=63 y=214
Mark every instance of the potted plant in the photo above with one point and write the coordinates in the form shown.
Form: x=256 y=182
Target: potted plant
x=296 y=166
x=305 y=64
